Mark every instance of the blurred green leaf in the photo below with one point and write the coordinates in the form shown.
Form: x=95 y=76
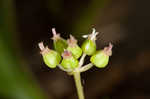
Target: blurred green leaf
x=88 y=16
x=14 y=82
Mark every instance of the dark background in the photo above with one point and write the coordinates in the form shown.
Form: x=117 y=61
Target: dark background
x=125 y=23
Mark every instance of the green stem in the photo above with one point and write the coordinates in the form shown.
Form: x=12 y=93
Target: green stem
x=86 y=67
x=82 y=60
x=79 y=87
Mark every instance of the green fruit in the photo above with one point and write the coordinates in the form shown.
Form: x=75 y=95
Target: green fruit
x=52 y=58
x=73 y=47
x=60 y=45
x=69 y=63
x=100 y=59
x=89 y=47
x=76 y=51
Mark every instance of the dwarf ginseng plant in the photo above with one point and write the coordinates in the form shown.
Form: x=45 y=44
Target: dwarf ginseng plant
x=69 y=56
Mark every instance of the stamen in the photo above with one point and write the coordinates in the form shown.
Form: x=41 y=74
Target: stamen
x=41 y=46
x=54 y=31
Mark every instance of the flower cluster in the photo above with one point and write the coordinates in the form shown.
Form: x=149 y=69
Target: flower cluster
x=66 y=53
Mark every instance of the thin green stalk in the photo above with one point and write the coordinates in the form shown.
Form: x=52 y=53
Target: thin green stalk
x=78 y=84
x=82 y=60
x=86 y=67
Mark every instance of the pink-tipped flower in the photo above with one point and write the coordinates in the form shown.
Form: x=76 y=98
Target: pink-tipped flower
x=51 y=58
x=69 y=62
x=73 y=47
x=101 y=58
x=59 y=43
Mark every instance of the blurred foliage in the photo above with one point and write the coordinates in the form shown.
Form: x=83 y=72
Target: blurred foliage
x=88 y=16
x=15 y=83
x=80 y=15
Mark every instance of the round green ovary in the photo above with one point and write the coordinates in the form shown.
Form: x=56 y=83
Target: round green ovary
x=100 y=59
x=89 y=47
x=52 y=59
x=76 y=51
x=60 y=45
x=69 y=63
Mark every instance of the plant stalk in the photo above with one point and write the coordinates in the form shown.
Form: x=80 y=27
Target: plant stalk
x=82 y=60
x=86 y=67
x=78 y=84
